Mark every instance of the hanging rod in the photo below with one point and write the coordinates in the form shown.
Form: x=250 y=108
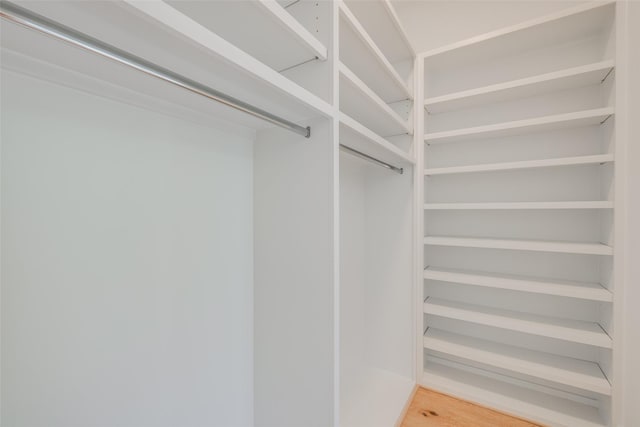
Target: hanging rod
x=31 y=20
x=371 y=159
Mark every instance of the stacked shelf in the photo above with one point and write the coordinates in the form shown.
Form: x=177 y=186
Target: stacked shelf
x=361 y=54
x=520 y=205
x=541 y=345
x=508 y=396
x=576 y=373
x=374 y=112
x=565 y=288
x=518 y=127
x=521 y=245
x=372 y=91
x=574 y=77
x=527 y=164
x=367 y=107
x=277 y=39
x=563 y=329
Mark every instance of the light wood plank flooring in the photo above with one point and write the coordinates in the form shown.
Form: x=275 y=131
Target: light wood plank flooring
x=432 y=409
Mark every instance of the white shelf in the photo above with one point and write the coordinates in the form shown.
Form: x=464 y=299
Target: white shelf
x=276 y=38
x=520 y=205
x=510 y=398
x=359 y=52
x=550 y=367
x=550 y=30
x=160 y=34
x=360 y=102
x=526 y=164
x=363 y=139
x=563 y=329
x=519 y=127
x=521 y=245
x=385 y=27
x=564 y=288
x=585 y=75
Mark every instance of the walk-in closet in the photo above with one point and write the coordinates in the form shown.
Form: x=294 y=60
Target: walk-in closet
x=296 y=213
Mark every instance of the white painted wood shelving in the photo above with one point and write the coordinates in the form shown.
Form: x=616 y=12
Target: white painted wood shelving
x=189 y=47
x=504 y=317
x=372 y=72
x=375 y=100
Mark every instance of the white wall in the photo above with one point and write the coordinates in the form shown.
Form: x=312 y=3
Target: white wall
x=631 y=368
x=126 y=265
x=434 y=23
x=294 y=267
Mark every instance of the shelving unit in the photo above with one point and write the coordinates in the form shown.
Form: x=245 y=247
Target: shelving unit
x=564 y=288
x=521 y=245
x=509 y=396
x=390 y=35
x=360 y=102
x=498 y=325
x=139 y=26
x=276 y=38
x=520 y=205
x=518 y=127
x=374 y=100
x=563 y=329
x=527 y=164
x=376 y=120
x=557 y=28
x=570 y=78
x=359 y=52
x=558 y=369
x=363 y=139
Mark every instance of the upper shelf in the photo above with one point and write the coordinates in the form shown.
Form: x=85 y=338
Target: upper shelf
x=522 y=88
x=361 y=103
x=553 y=29
x=276 y=38
x=360 y=53
x=158 y=33
x=389 y=34
x=361 y=138
x=519 y=127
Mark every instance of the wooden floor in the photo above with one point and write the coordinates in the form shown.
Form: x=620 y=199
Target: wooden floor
x=431 y=409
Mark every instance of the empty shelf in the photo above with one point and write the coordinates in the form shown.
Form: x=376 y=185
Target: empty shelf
x=550 y=367
x=563 y=329
x=188 y=49
x=518 y=127
x=360 y=102
x=388 y=33
x=550 y=30
x=525 y=164
x=521 y=245
x=565 y=288
x=361 y=138
x=510 y=398
x=519 y=205
x=545 y=83
x=276 y=38
x=359 y=52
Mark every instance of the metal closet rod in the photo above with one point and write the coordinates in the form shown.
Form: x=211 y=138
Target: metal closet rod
x=371 y=159
x=31 y=20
